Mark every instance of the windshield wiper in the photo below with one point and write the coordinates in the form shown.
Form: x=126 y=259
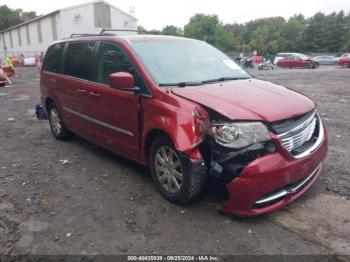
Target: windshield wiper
x=194 y=83
x=181 y=84
x=222 y=79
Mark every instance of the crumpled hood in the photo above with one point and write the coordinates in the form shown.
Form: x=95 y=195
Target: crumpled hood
x=251 y=99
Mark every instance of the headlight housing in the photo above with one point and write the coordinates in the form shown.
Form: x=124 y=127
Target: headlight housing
x=239 y=134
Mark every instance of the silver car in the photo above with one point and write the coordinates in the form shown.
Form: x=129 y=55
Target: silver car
x=326 y=60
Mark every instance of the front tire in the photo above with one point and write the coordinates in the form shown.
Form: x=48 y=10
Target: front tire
x=176 y=178
x=346 y=65
x=58 y=129
x=307 y=66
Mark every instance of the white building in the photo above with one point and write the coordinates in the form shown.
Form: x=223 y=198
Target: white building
x=34 y=36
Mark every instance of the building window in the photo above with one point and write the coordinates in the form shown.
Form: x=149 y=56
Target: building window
x=28 y=35
x=19 y=36
x=40 y=35
x=79 y=61
x=102 y=15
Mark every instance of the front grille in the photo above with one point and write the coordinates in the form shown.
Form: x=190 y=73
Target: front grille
x=298 y=135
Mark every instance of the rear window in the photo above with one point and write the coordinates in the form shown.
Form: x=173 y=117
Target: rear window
x=79 y=60
x=53 y=56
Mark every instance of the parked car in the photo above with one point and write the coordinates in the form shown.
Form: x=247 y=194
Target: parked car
x=325 y=60
x=300 y=61
x=280 y=56
x=186 y=110
x=29 y=61
x=344 y=61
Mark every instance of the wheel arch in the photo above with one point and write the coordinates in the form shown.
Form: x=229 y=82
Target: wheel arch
x=48 y=101
x=150 y=137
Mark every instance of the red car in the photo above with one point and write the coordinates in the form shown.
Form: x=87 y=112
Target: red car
x=188 y=112
x=344 y=61
x=299 y=61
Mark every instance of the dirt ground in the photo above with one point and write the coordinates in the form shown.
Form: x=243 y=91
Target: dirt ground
x=76 y=198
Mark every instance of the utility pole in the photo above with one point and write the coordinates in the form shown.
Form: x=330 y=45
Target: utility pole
x=243 y=48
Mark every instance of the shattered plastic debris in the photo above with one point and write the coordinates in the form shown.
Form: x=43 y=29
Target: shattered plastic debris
x=11 y=119
x=64 y=161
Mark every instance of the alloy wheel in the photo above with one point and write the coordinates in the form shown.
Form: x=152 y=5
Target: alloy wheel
x=168 y=168
x=55 y=121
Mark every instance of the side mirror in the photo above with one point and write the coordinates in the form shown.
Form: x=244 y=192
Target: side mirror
x=123 y=81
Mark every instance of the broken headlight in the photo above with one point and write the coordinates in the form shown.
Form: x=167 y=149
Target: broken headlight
x=239 y=134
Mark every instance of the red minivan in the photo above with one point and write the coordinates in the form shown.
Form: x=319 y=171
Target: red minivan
x=186 y=110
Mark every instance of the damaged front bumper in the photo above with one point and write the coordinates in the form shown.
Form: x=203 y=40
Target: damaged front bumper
x=273 y=181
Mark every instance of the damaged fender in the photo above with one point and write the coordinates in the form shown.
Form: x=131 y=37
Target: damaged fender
x=184 y=129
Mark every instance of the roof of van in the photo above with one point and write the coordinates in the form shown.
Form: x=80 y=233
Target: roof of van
x=126 y=38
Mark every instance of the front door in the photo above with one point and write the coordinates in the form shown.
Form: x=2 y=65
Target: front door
x=114 y=113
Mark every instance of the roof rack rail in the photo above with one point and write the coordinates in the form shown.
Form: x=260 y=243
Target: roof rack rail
x=82 y=35
x=116 y=30
x=103 y=32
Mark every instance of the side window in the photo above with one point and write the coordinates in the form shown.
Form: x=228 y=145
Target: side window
x=111 y=59
x=79 y=60
x=52 y=60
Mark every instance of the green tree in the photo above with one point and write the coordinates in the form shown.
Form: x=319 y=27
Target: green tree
x=208 y=28
x=345 y=40
x=202 y=27
x=141 y=29
x=172 y=30
x=10 y=17
x=293 y=33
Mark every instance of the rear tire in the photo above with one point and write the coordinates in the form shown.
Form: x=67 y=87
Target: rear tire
x=346 y=65
x=57 y=126
x=177 y=178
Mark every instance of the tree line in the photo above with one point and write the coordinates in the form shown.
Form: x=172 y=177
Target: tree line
x=320 y=33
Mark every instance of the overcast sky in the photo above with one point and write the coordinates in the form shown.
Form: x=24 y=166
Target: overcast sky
x=155 y=14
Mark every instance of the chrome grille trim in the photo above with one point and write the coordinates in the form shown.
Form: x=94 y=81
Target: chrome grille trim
x=305 y=123
x=302 y=133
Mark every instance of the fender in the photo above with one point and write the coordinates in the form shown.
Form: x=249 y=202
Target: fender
x=178 y=122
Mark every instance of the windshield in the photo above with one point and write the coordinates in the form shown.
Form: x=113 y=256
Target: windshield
x=181 y=61
x=302 y=56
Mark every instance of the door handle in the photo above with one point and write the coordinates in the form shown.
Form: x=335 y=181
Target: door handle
x=94 y=94
x=83 y=91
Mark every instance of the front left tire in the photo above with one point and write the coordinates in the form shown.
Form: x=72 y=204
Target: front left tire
x=176 y=178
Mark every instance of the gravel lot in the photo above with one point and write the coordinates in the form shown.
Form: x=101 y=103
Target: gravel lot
x=76 y=198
